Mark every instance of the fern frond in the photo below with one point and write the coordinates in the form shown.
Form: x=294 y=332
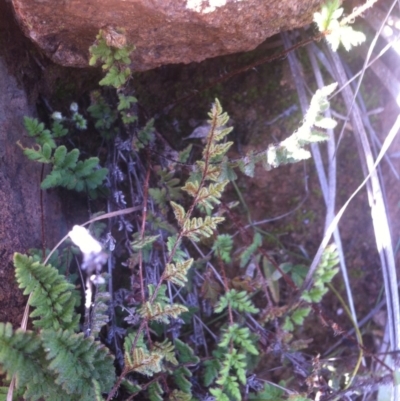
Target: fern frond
x=223 y=247
x=177 y=273
x=198 y=227
x=167 y=349
x=161 y=313
x=77 y=360
x=177 y=395
x=213 y=172
x=37 y=130
x=155 y=392
x=239 y=301
x=250 y=250
x=185 y=353
x=144 y=362
x=22 y=355
x=181 y=376
x=143 y=242
x=240 y=336
x=179 y=212
x=99 y=316
x=52 y=296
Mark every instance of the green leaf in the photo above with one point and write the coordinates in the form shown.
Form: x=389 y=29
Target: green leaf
x=59 y=155
x=70 y=159
x=185 y=353
x=299 y=315
x=144 y=242
x=52 y=297
x=125 y=102
x=222 y=246
x=185 y=153
x=179 y=212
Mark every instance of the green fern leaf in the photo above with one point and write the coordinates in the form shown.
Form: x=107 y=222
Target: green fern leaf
x=144 y=242
x=176 y=273
x=181 y=375
x=51 y=295
x=177 y=395
x=179 y=212
x=77 y=361
x=59 y=156
x=223 y=247
x=185 y=353
x=155 y=392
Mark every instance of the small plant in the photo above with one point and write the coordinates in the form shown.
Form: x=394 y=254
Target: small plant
x=53 y=361
x=337 y=32
x=67 y=171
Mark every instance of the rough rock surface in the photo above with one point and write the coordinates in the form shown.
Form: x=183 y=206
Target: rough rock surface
x=163 y=31
x=20 y=213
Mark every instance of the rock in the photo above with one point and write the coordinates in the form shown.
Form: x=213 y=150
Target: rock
x=163 y=31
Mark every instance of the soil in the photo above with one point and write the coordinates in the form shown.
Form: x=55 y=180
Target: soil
x=253 y=99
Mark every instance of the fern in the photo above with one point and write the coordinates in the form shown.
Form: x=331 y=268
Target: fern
x=324 y=274
x=177 y=272
x=337 y=32
x=67 y=171
x=236 y=300
x=161 y=313
x=77 y=361
x=111 y=50
x=98 y=314
x=223 y=247
x=155 y=392
x=250 y=250
x=52 y=297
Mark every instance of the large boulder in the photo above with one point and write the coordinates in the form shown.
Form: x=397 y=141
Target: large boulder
x=163 y=31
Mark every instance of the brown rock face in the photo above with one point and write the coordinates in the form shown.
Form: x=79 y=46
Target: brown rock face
x=163 y=31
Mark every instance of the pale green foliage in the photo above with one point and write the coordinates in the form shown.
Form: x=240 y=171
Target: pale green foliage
x=102 y=113
x=297 y=317
x=155 y=392
x=324 y=274
x=51 y=295
x=142 y=361
x=223 y=247
x=240 y=336
x=169 y=189
x=198 y=227
x=230 y=365
x=99 y=313
x=250 y=250
x=336 y=31
x=166 y=365
x=124 y=107
x=177 y=395
x=53 y=362
x=239 y=301
x=67 y=170
x=179 y=255
x=114 y=54
x=144 y=137
x=161 y=313
x=143 y=242
x=76 y=361
x=177 y=272
x=292 y=149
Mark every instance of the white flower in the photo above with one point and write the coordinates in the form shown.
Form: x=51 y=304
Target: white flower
x=57 y=116
x=84 y=241
x=74 y=107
